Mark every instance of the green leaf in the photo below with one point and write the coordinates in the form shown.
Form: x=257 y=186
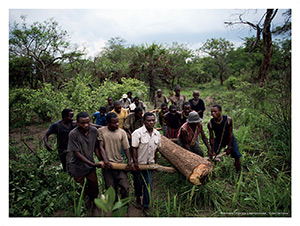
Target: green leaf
x=120 y=203
x=101 y=204
x=111 y=196
x=120 y=212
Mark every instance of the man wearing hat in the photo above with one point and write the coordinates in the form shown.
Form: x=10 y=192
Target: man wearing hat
x=189 y=132
x=125 y=101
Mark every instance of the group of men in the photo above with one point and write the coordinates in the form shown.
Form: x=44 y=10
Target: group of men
x=77 y=144
x=182 y=121
x=134 y=136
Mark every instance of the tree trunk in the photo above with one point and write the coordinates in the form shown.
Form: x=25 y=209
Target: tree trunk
x=267 y=47
x=221 y=77
x=156 y=167
x=192 y=166
x=151 y=84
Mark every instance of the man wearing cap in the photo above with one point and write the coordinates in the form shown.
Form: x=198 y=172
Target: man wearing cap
x=125 y=101
x=189 y=132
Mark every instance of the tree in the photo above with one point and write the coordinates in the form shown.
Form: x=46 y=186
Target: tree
x=151 y=62
x=177 y=63
x=263 y=29
x=218 y=49
x=114 y=61
x=45 y=44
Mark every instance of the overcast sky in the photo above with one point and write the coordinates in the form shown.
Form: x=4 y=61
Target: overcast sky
x=92 y=28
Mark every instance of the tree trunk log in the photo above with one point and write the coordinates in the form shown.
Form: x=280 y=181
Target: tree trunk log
x=191 y=165
x=156 y=167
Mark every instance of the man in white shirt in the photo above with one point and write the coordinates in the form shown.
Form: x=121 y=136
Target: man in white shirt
x=145 y=142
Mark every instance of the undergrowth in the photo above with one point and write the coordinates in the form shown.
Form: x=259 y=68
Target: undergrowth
x=261 y=121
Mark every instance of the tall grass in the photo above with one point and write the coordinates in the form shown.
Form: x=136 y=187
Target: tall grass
x=261 y=119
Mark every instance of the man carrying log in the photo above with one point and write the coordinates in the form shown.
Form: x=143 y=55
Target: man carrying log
x=111 y=140
x=220 y=135
x=61 y=129
x=82 y=144
x=145 y=142
x=189 y=132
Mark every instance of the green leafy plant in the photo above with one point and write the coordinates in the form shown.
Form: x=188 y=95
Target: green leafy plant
x=107 y=203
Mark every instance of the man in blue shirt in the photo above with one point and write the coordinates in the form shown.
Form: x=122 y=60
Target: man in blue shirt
x=100 y=117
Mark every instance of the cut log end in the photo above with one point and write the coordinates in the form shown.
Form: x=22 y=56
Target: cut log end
x=199 y=174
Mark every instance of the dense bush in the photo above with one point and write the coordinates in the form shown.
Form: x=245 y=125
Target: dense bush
x=46 y=104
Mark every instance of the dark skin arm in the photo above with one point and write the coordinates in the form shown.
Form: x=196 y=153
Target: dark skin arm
x=135 y=160
x=129 y=166
x=107 y=164
x=48 y=146
x=155 y=156
x=97 y=152
x=211 y=140
x=204 y=138
x=228 y=150
x=97 y=126
x=128 y=132
x=200 y=111
x=84 y=159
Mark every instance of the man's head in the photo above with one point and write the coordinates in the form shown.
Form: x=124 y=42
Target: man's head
x=172 y=109
x=164 y=108
x=186 y=107
x=117 y=106
x=67 y=115
x=159 y=92
x=196 y=94
x=102 y=111
x=138 y=112
x=83 y=121
x=109 y=100
x=129 y=94
x=112 y=121
x=149 y=120
x=216 y=111
x=177 y=90
x=136 y=100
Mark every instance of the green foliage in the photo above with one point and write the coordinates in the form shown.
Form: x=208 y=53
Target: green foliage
x=232 y=82
x=107 y=203
x=46 y=103
x=44 y=44
x=36 y=186
x=19 y=99
x=78 y=207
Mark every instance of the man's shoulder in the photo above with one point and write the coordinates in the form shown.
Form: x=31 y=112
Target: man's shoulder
x=74 y=131
x=93 y=129
x=96 y=113
x=56 y=123
x=102 y=129
x=139 y=130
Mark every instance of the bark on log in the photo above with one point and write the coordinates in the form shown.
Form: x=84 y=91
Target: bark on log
x=156 y=167
x=191 y=165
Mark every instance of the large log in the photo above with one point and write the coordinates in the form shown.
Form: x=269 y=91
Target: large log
x=191 y=165
x=156 y=167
